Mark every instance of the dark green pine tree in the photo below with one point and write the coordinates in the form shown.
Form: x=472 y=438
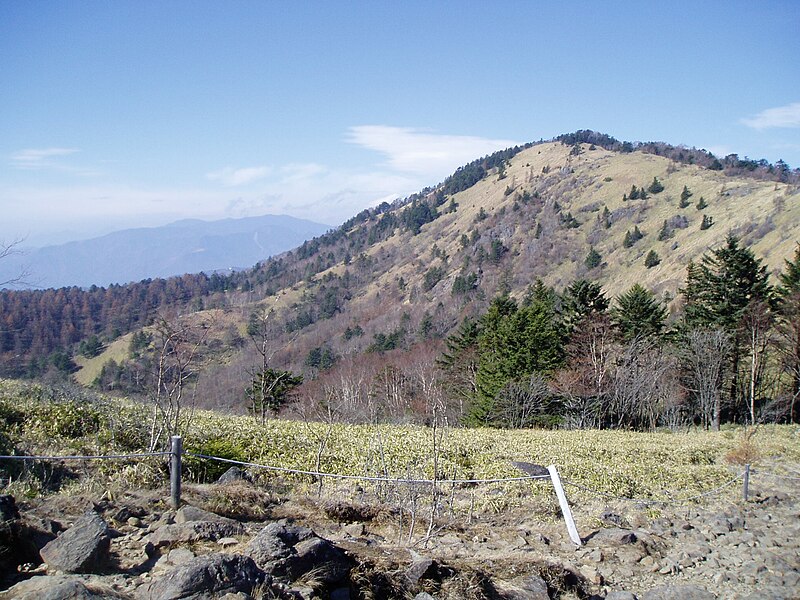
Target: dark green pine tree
x=580 y=300
x=665 y=232
x=606 y=218
x=655 y=187
x=271 y=389
x=637 y=313
x=790 y=278
x=514 y=343
x=789 y=325
x=685 y=195
x=652 y=259
x=459 y=361
x=720 y=288
x=593 y=259
x=631 y=237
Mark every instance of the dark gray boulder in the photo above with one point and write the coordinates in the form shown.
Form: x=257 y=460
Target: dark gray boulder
x=193 y=531
x=83 y=548
x=8 y=508
x=288 y=551
x=55 y=587
x=209 y=576
x=188 y=514
x=234 y=475
x=421 y=568
x=531 y=587
x=613 y=536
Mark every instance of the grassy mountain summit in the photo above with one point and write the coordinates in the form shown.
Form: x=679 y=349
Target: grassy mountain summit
x=391 y=283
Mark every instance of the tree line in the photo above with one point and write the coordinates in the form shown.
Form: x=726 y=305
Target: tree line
x=576 y=358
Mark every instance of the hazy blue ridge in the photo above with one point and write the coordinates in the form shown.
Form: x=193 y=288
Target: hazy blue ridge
x=187 y=246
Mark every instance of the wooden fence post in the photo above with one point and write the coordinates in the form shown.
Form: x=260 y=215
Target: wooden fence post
x=746 y=486
x=176 y=451
x=562 y=500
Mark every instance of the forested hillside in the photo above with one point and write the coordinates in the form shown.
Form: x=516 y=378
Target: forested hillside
x=535 y=286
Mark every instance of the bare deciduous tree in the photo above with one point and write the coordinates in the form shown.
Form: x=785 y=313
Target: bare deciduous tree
x=641 y=388
x=269 y=385
x=522 y=403
x=757 y=324
x=6 y=251
x=703 y=358
x=177 y=343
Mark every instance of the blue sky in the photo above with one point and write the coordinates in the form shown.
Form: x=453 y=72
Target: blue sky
x=120 y=114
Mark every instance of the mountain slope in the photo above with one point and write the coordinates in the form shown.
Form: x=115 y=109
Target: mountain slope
x=188 y=246
x=375 y=285
x=387 y=286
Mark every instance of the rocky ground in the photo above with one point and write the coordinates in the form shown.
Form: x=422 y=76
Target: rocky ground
x=236 y=541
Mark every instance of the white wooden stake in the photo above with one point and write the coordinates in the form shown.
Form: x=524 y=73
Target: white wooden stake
x=562 y=500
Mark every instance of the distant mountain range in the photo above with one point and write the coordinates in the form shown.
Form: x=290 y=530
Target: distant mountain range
x=188 y=246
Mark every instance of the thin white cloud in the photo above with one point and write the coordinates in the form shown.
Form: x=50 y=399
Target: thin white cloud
x=319 y=192
x=420 y=152
x=37 y=158
x=779 y=117
x=302 y=171
x=233 y=177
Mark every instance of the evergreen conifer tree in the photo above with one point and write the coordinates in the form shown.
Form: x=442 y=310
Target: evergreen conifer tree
x=637 y=313
x=593 y=259
x=685 y=195
x=655 y=187
x=652 y=259
x=513 y=344
x=581 y=299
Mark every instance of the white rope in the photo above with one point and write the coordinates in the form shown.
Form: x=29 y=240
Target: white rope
x=767 y=473
x=91 y=457
x=679 y=501
x=366 y=477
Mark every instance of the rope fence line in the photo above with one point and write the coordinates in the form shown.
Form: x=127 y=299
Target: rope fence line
x=176 y=453
x=366 y=477
x=88 y=457
x=776 y=475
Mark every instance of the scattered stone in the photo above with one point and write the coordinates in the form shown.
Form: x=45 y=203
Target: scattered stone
x=612 y=518
x=620 y=595
x=227 y=542
x=83 y=548
x=134 y=522
x=678 y=592
x=180 y=556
